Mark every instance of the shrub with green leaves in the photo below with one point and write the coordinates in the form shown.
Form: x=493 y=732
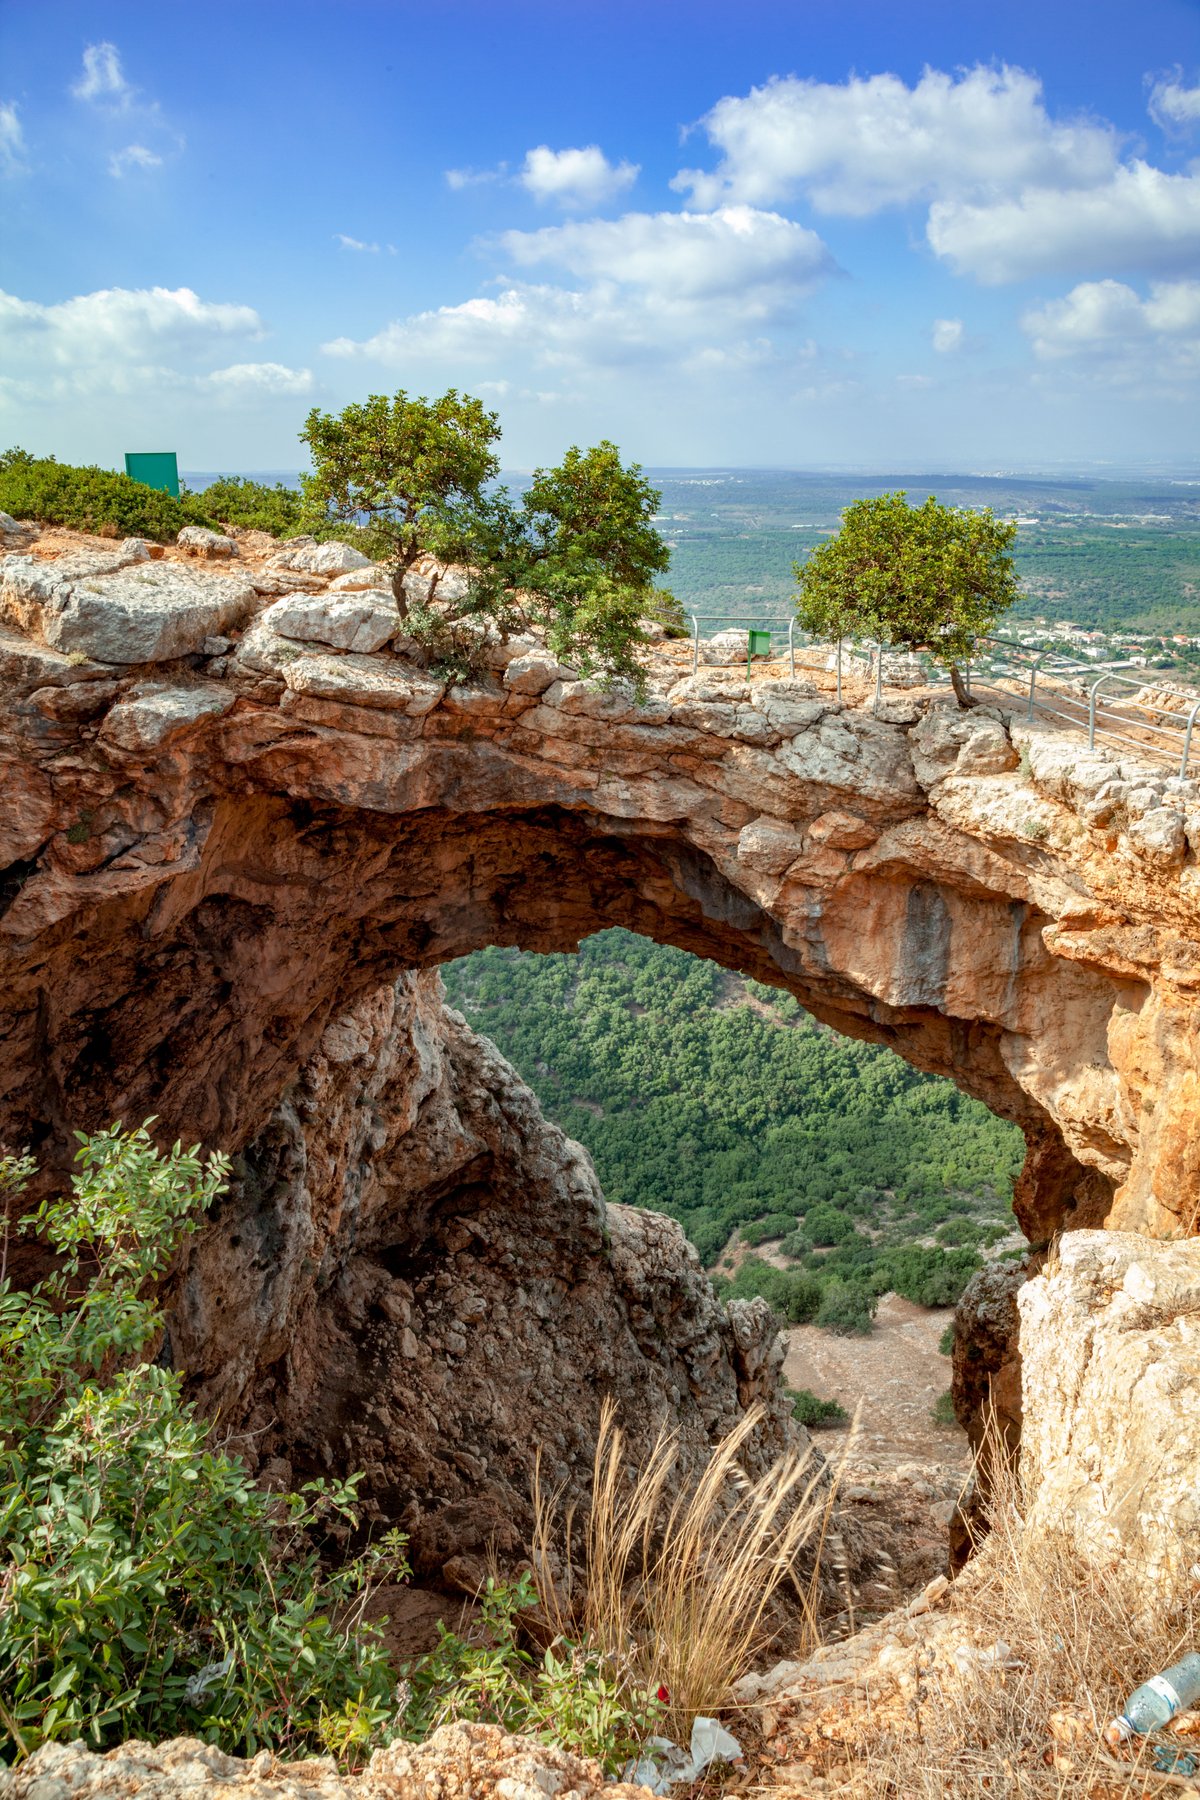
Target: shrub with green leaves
x=149 y=1588
x=93 y=499
x=847 y=1309
x=236 y=500
x=814 y=1412
x=572 y=1694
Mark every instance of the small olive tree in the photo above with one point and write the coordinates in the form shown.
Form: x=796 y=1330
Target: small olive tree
x=575 y=556
x=409 y=469
x=929 y=577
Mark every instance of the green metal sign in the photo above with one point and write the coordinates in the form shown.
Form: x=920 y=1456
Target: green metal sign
x=758 y=644
x=154 y=468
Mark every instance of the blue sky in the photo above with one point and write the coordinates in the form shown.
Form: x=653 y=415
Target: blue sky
x=808 y=234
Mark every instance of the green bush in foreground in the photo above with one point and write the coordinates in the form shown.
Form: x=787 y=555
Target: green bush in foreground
x=814 y=1412
x=147 y=1587
x=93 y=499
x=571 y=1694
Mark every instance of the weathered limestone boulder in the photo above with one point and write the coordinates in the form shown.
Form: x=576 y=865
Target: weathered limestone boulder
x=361 y=621
x=458 y=1762
x=146 y=719
x=311 y=558
x=534 y=672
x=106 y=607
x=197 y=540
x=1110 y=1446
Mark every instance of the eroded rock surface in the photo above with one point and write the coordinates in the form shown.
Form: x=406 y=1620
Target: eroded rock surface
x=416 y=1275
x=196 y=893
x=1110 y=1343
x=459 y=1762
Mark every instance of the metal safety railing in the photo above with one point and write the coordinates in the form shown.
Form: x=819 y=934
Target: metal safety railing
x=1130 y=711
x=796 y=638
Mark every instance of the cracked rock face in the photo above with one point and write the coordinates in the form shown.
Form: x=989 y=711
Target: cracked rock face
x=416 y=1275
x=1110 y=1346
x=196 y=891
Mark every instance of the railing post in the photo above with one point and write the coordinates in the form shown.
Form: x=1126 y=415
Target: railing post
x=839 y=671
x=878 y=678
x=792 y=648
x=1187 y=741
x=1092 y=693
x=1033 y=675
x=695 y=644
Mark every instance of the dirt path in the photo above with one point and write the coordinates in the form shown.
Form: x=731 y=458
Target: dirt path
x=898 y=1374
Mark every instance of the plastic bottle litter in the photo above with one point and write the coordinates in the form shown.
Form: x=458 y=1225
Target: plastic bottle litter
x=1156 y=1702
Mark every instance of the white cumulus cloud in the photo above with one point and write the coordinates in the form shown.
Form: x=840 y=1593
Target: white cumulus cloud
x=1109 y=317
x=755 y=260
x=103 y=78
x=683 y=292
x=133 y=156
x=1139 y=218
x=260 y=378
x=856 y=146
x=948 y=335
x=575 y=178
x=1174 y=105
x=117 y=339
x=12 y=138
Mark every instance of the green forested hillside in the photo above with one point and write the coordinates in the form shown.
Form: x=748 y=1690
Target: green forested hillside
x=717 y=1100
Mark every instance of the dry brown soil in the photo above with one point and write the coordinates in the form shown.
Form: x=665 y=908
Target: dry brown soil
x=897 y=1373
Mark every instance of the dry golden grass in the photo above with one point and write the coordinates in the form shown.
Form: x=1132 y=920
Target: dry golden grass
x=1081 y=1638
x=679 y=1580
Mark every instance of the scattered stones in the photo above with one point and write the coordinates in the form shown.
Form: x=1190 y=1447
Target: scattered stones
x=458 y=1762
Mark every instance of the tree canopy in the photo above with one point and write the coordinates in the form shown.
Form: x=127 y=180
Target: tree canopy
x=402 y=467
x=927 y=577
x=575 y=556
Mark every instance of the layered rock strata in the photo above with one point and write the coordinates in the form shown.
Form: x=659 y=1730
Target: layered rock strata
x=215 y=856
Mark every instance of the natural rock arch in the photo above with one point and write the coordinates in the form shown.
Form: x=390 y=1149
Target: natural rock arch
x=216 y=877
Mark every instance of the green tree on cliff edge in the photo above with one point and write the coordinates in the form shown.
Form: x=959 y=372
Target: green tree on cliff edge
x=928 y=577
x=575 y=558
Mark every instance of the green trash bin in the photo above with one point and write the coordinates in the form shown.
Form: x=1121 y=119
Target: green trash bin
x=758 y=644
x=154 y=468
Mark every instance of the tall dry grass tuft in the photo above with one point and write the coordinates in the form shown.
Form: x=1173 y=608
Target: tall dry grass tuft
x=678 y=1581
x=1080 y=1639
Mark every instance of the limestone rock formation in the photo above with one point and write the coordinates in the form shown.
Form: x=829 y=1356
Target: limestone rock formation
x=1110 y=1343
x=416 y=1275
x=196 y=892
x=459 y=1762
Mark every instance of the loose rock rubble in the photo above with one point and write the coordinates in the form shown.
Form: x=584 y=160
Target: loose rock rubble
x=459 y=1762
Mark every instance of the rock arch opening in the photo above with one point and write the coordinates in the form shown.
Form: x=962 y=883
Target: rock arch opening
x=235 y=925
